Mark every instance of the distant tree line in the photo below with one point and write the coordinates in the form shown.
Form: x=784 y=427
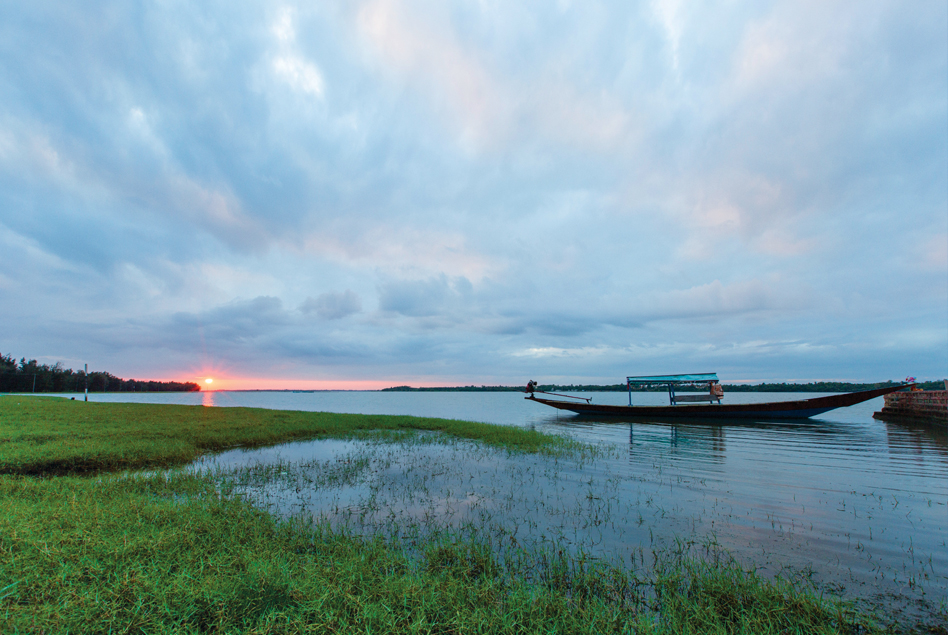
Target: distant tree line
x=816 y=386
x=454 y=389
x=30 y=376
x=828 y=386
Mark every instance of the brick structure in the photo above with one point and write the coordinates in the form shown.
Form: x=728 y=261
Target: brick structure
x=923 y=406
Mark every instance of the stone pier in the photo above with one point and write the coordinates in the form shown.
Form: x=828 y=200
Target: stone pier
x=921 y=406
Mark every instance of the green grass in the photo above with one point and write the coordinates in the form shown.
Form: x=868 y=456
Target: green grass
x=174 y=553
x=49 y=435
x=155 y=555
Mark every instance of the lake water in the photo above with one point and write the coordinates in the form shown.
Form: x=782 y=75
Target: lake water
x=859 y=505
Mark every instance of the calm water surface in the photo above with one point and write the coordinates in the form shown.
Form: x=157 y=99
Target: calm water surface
x=858 y=504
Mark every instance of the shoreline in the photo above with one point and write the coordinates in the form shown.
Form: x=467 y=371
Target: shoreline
x=152 y=535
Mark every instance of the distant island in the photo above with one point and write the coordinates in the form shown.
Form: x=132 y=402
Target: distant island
x=30 y=376
x=816 y=386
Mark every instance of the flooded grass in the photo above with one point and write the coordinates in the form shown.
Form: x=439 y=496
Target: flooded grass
x=419 y=486
x=173 y=554
x=406 y=530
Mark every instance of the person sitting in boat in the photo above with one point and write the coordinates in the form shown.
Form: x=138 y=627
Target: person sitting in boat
x=717 y=391
x=531 y=386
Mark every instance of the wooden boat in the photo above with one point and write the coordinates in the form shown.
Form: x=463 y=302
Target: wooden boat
x=799 y=409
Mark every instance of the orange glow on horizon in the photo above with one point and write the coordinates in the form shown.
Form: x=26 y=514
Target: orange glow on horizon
x=221 y=381
x=255 y=383
x=214 y=377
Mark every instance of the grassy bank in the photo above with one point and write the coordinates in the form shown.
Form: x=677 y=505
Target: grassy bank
x=49 y=435
x=115 y=553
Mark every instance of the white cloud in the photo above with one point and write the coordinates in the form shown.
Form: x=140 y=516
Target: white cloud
x=218 y=211
x=414 y=46
x=488 y=109
x=299 y=74
x=669 y=14
x=799 y=43
x=283 y=27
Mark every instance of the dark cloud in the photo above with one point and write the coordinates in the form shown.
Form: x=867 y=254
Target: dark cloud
x=239 y=319
x=333 y=306
x=424 y=298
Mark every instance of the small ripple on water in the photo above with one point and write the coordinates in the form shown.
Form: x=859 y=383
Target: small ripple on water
x=845 y=530
x=861 y=504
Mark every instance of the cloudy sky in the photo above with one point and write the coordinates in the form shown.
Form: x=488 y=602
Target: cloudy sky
x=363 y=194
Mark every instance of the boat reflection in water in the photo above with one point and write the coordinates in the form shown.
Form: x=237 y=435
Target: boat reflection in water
x=916 y=438
x=707 y=437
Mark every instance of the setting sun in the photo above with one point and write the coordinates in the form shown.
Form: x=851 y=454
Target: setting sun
x=208 y=381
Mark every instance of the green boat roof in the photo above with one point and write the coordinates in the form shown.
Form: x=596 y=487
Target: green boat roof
x=674 y=379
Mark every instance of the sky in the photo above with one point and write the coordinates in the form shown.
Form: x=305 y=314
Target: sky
x=360 y=194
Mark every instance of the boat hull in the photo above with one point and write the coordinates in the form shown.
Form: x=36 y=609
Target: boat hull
x=801 y=409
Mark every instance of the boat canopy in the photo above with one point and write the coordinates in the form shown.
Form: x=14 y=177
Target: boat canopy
x=699 y=378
